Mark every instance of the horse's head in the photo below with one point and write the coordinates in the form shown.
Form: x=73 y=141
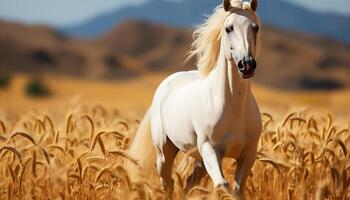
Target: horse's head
x=241 y=35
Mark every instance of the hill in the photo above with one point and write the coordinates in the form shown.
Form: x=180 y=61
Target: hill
x=37 y=49
x=289 y=60
x=188 y=13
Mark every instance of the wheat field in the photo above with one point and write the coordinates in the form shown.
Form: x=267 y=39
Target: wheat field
x=80 y=153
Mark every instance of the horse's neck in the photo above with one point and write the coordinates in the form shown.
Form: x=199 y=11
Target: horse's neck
x=227 y=85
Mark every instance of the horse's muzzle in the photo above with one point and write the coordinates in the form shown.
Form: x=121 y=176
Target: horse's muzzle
x=246 y=67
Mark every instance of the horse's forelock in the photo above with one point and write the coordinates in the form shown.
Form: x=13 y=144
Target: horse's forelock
x=236 y=3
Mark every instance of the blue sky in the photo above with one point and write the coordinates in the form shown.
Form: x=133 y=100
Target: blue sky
x=68 y=12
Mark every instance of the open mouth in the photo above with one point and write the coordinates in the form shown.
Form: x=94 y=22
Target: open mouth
x=247 y=76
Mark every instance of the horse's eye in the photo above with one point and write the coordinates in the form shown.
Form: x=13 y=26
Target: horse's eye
x=229 y=29
x=255 y=27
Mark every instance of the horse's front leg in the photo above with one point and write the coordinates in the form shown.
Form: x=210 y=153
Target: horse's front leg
x=243 y=169
x=211 y=162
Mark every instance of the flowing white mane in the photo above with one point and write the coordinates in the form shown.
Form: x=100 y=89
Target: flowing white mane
x=207 y=37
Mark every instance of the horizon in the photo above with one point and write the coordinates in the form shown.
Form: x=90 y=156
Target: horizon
x=50 y=13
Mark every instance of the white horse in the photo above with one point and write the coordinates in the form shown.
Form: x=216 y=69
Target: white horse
x=211 y=109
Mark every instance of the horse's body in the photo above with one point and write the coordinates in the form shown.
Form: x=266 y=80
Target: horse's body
x=215 y=113
x=194 y=109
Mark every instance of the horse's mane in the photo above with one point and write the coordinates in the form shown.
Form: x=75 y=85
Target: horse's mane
x=207 y=38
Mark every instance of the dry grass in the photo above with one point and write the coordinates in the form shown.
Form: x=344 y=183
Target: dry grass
x=79 y=154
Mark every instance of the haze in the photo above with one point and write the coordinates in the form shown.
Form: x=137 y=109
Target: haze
x=66 y=12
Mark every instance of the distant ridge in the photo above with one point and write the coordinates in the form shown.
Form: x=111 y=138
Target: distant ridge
x=188 y=13
x=289 y=60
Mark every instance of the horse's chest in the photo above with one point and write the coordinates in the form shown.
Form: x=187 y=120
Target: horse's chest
x=231 y=133
x=231 y=144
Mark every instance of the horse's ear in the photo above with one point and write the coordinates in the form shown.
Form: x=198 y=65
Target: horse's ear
x=227 y=5
x=254 y=4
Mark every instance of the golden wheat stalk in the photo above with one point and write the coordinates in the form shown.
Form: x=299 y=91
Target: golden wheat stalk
x=179 y=180
x=340 y=143
x=268 y=116
x=329 y=133
x=198 y=189
x=48 y=120
x=80 y=168
x=34 y=163
x=17 y=168
x=3 y=127
x=312 y=124
x=75 y=176
x=308 y=154
x=273 y=163
x=285 y=121
x=42 y=138
x=315 y=135
x=41 y=125
x=105 y=170
x=101 y=108
x=54 y=146
x=12 y=174
x=92 y=125
x=321 y=191
x=120 y=170
x=330 y=120
x=57 y=135
x=95 y=139
x=87 y=169
x=124 y=124
x=13 y=150
x=126 y=156
x=116 y=134
x=342 y=131
x=46 y=155
x=3 y=138
x=344 y=178
x=298 y=119
x=102 y=146
x=10 y=192
x=24 y=135
x=95 y=159
x=68 y=123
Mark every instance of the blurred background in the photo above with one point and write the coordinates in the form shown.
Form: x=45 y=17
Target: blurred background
x=116 y=52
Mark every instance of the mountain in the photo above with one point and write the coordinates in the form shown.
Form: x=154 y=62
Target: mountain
x=187 y=13
x=289 y=60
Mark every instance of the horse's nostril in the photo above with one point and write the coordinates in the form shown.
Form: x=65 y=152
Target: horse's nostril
x=250 y=63
x=241 y=65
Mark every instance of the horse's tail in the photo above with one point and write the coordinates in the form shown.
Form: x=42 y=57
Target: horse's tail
x=142 y=149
